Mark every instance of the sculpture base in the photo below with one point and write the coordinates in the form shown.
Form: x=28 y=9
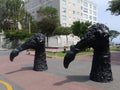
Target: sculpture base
x=101 y=78
x=101 y=69
x=40 y=65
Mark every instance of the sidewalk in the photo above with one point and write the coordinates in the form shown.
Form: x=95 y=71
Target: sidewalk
x=3 y=49
x=20 y=76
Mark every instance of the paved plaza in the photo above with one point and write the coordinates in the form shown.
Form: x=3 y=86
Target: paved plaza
x=18 y=75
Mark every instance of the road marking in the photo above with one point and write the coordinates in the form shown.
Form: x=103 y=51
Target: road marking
x=7 y=85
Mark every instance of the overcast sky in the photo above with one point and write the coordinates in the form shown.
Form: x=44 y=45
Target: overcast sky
x=113 y=22
x=106 y=17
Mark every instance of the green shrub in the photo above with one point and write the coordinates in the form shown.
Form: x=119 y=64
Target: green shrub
x=17 y=35
x=62 y=31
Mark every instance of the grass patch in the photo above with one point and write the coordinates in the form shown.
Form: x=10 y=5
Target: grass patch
x=62 y=54
x=87 y=51
x=58 y=54
x=114 y=48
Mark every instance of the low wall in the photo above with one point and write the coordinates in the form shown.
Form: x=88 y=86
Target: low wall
x=2 y=39
x=62 y=40
x=58 y=41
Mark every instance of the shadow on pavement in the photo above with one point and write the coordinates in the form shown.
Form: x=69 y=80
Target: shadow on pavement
x=79 y=78
x=22 y=69
x=74 y=78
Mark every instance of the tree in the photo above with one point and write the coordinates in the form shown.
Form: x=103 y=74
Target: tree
x=12 y=11
x=113 y=34
x=48 y=20
x=62 y=31
x=35 y=27
x=47 y=26
x=27 y=22
x=114 y=7
x=2 y=9
x=15 y=9
x=79 y=28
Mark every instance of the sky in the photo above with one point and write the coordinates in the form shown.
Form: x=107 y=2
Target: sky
x=105 y=17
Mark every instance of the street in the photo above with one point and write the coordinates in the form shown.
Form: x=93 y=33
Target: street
x=18 y=75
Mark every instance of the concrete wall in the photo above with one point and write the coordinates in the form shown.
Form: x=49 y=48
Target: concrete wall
x=53 y=41
x=62 y=40
x=1 y=39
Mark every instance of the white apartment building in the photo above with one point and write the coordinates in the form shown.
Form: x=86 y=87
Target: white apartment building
x=68 y=10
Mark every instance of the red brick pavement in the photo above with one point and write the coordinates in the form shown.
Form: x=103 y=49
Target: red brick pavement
x=31 y=80
x=28 y=79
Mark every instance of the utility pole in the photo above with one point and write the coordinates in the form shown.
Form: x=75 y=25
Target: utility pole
x=29 y=26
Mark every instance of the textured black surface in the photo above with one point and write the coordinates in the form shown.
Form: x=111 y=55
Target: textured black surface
x=36 y=42
x=97 y=37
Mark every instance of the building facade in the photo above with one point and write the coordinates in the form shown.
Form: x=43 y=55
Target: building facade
x=68 y=10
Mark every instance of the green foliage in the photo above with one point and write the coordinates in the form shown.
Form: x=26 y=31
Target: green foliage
x=49 y=20
x=114 y=48
x=47 y=26
x=62 y=31
x=113 y=34
x=0 y=30
x=79 y=28
x=114 y=7
x=17 y=35
x=12 y=11
x=26 y=21
x=35 y=27
x=58 y=54
x=62 y=54
x=76 y=28
x=48 y=12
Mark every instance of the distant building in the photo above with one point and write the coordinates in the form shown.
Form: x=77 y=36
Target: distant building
x=68 y=10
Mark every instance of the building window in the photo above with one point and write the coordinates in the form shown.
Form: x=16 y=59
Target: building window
x=73 y=11
x=90 y=11
x=78 y=1
x=85 y=4
x=90 y=6
x=94 y=13
x=90 y=17
x=81 y=14
x=64 y=2
x=78 y=13
x=63 y=10
x=33 y=11
x=85 y=16
x=85 y=10
x=81 y=7
x=64 y=24
x=73 y=4
x=33 y=17
x=94 y=18
x=94 y=22
x=74 y=18
x=70 y=18
x=94 y=7
x=27 y=1
x=64 y=17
